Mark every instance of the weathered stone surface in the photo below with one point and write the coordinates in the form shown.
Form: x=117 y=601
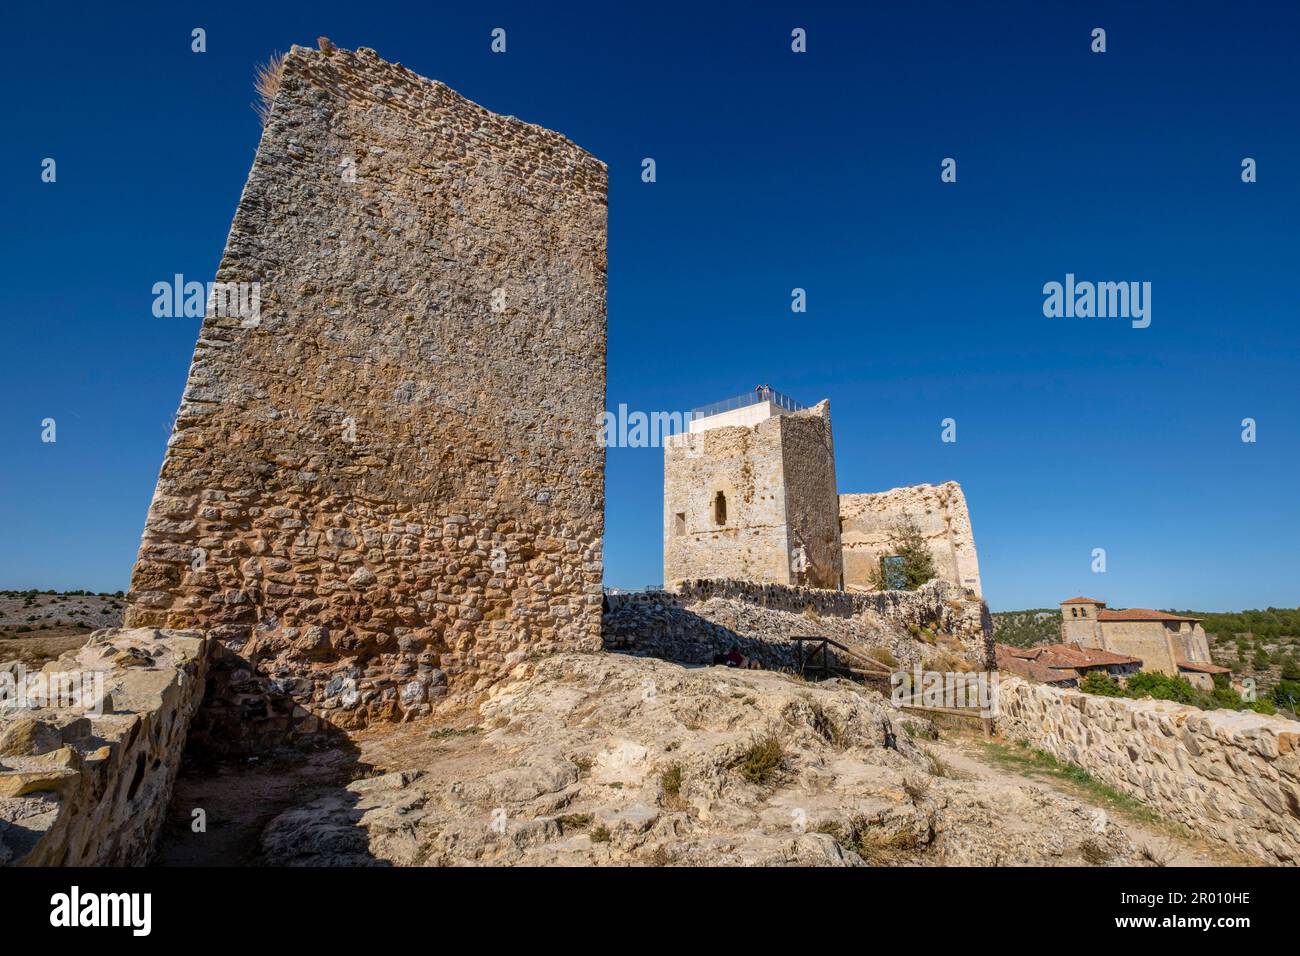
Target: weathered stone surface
x=28 y=738
x=396 y=464
x=1226 y=774
x=86 y=788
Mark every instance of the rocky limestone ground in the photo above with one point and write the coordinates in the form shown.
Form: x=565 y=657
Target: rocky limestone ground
x=607 y=759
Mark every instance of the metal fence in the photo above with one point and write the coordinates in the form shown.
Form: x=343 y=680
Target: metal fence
x=749 y=398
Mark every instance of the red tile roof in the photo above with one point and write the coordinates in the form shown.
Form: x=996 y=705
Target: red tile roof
x=1203 y=667
x=1067 y=655
x=1140 y=614
x=1054 y=663
x=1076 y=656
x=1016 y=664
x=1084 y=600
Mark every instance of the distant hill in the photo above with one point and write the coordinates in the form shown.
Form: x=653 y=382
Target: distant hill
x=1038 y=625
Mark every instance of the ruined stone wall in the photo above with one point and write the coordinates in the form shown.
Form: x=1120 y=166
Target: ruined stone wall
x=1230 y=775
x=744 y=464
x=811 y=502
x=88 y=783
x=866 y=522
x=706 y=617
x=389 y=482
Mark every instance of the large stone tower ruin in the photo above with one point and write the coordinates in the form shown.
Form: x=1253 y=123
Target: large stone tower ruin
x=387 y=480
x=749 y=493
x=867 y=523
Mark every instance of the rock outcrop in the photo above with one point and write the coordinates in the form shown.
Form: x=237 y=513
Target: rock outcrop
x=1233 y=776
x=606 y=759
x=89 y=748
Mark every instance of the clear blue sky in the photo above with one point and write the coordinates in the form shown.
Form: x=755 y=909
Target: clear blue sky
x=775 y=171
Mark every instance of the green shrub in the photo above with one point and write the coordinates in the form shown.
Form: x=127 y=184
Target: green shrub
x=1286 y=694
x=1163 y=687
x=1101 y=684
x=1224 y=697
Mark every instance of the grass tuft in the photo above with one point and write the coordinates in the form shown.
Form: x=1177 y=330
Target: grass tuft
x=573 y=821
x=671 y=782
x=936 y=765
x=761 y=762
x=871 y=841
x=267 y=83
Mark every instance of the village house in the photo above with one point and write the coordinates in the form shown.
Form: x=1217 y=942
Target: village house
x=1063 y=665
x=1168 y=643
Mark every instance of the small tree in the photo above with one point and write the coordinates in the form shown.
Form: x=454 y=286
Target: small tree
x=910 y=562
x=1290 y=667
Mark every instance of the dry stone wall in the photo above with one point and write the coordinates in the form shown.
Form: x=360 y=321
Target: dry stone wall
x=1233 y=776
x=388 y=483
x=706 y=617
x=86 y=781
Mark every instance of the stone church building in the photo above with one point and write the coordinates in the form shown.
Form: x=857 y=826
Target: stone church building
x=750 y=494
x=1168 y=643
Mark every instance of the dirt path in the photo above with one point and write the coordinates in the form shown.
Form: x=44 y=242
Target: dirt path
x=1168 y=842
x=238 y=800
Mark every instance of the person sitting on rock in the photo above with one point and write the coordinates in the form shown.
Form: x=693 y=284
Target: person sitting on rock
x=733 y=658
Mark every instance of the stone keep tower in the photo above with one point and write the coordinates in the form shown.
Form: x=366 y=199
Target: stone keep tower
x=389 y=481
x=749 y=493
